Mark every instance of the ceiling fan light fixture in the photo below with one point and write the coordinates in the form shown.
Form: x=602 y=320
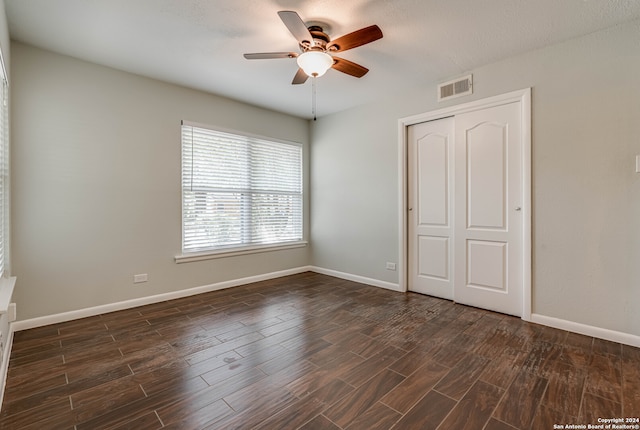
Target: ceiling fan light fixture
x=315 y=63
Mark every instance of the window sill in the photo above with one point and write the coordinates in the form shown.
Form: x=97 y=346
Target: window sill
x=210 y=255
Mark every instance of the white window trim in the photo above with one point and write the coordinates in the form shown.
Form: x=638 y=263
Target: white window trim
x=247 y=249
x=235 y=251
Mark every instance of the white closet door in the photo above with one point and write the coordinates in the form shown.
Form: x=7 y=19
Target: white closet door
x=430 y=219
x=488 y=217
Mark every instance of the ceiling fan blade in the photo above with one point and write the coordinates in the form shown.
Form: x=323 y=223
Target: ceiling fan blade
x=348 y=67
x=269 y=55
x=296 y=26
x=356 y=38
x=299 y=78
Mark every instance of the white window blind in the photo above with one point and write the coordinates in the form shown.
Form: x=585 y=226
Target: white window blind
x=238 y=191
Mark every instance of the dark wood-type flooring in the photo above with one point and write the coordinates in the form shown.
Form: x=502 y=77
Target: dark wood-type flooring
x=313 y=352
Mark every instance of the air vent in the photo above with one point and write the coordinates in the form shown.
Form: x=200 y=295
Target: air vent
x=455 y=88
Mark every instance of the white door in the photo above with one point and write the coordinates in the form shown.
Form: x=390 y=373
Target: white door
x=488 y=218
x=465 y=195
x=430 y=217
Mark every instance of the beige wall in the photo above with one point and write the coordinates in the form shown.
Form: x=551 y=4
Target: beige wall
x=96 y=183
x=586 y=195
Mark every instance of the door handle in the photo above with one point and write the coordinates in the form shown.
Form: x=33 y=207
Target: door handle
x=518 y=209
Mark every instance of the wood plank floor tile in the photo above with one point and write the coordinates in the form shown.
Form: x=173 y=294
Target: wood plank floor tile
x=474 y=409
x=272 y=403
x=427 y=414
x=310 y=351
x=221 y=348
x=581 y=341
x=520 y=403
x=165 y=377
x=197 y=420
x=129 y=411
x=494 y=424
x=631 y=387
x=414 y=387
x=456 y=383
x=39 y=334
x=594 y=407
x=304 y=348
x=329 y=354
x=576 y=357
x=552 y=335
x=412 y=360
x=63 y=392
x=38 y=414
x=566 y=385
x=449 y=355
x=502 y=369
x=377 y=417
x=541 y=357
x=356 y=403
x=604 y=377
x=108 y=396
x=31 y=388
x=220 y=368
x=546 y=417
x=320 y=423
x=371 y=366
x=605 y=347
x=248 y=397
x=49 y=351
x=203 y=405
x=149 y=421
x=31 y=373
x=308 y=407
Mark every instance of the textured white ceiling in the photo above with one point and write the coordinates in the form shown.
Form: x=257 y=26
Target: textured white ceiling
x=199 y=43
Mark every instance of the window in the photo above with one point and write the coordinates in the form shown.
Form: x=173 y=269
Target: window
x=238 y=191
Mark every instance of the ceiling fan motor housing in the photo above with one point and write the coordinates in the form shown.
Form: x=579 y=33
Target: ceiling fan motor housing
x=320 y=40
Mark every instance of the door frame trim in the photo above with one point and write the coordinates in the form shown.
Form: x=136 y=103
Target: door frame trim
x=524 y=98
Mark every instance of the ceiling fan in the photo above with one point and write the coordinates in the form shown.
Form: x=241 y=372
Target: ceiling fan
x=318 y=49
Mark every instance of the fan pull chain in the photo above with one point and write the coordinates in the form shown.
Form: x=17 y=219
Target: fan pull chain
x=313 y=97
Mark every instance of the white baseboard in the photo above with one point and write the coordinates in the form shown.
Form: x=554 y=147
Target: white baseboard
x=614 y=336
x=128 y=304
x=588 y=330
x=356 y=278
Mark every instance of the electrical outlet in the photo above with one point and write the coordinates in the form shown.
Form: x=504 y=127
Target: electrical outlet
x=140 y=278
x=391 y=266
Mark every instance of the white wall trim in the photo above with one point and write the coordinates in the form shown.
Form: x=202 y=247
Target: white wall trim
x=588 y=330
x=524 y=98
x=357 y=278
x=127 y=304
x=210 y=255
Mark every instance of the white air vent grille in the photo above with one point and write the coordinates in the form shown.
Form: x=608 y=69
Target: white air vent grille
x=455 y=88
